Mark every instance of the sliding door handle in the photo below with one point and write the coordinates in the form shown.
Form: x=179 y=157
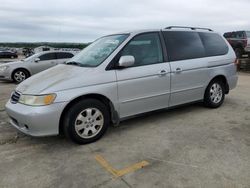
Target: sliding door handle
x=162 y=73
x=178 y=70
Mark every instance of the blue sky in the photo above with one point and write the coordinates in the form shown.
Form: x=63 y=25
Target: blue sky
x=84 y=21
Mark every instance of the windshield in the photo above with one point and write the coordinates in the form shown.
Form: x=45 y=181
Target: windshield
x=94 y=54
x=31 y=57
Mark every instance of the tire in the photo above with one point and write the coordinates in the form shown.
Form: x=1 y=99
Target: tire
x=20 y=75
x=214 y=94
x=238 y=52
x=86 y=121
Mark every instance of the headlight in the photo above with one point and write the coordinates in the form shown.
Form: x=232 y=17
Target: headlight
x=39 y=100
x=3 y=68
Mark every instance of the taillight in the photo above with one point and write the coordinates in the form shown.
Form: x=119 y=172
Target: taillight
x=237 y=62
x=245 y=42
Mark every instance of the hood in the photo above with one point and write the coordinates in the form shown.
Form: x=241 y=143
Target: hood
x=60 y=77
x=11 y=63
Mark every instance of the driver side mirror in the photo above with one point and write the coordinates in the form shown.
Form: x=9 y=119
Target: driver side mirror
x=37 y=60
x=126 y=61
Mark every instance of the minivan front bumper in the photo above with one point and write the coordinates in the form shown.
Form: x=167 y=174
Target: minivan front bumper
x=35 y=120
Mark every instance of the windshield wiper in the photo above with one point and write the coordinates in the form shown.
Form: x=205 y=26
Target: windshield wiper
x=73 y=63
x=77 y=64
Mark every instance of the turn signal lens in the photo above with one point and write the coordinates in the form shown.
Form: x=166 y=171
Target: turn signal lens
x=48 y=99
x=236 y=62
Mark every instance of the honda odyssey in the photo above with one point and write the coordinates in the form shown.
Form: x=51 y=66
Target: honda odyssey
x=122 y=75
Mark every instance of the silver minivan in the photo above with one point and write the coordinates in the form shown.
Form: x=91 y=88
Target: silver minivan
x=122 y=75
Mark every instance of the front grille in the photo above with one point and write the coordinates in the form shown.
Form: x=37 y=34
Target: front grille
x=15 y=97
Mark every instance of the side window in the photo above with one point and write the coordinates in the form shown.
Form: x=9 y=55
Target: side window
x=228 y=35
x=248 y=34
x=239 y=35
x=64 y=55
x=48 y=56
x=214 y=44
x=146 y=49
x=182 y=45
x=233 y=35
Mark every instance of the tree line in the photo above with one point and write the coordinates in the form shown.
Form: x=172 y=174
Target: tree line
x=37 y=44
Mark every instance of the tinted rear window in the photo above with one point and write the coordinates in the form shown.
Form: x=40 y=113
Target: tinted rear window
x=183 y=45
x=64 y=55
x=214 y=44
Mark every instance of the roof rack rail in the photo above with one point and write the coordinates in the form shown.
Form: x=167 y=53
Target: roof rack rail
x=192 y=28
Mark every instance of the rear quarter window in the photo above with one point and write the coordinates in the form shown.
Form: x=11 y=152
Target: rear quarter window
x=182 y=45
x=214 y=44
x=48 y=56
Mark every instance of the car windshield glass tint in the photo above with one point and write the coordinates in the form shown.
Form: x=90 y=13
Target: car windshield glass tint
x=98 y=51
x=31 y=57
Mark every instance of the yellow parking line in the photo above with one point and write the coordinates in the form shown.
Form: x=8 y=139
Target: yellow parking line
x=132 y=168
x=122 y=172
x=106 y=165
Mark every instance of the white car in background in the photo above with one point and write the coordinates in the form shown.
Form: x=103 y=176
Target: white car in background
x=18 y=71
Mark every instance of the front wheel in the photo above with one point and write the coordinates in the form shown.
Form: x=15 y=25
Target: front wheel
x=86 y=121
x=20 y=75
x=215 y=94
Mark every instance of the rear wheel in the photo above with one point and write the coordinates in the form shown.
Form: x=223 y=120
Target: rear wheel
x=86 y=121
x=215 y=94
x=20 y=75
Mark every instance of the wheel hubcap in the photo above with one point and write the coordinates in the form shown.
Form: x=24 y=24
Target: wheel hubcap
x=19 y=76
x=215 y=93
x=89 y=123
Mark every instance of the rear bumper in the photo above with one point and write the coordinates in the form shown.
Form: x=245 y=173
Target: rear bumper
x=35 y=121
x=232 y=81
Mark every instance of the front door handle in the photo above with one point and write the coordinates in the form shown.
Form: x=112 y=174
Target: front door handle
x=162 y=73
x=178 y=70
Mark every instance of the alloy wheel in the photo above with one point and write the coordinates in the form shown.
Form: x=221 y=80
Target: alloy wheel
x=89 y=123
x=19 y=76
x=216 y=93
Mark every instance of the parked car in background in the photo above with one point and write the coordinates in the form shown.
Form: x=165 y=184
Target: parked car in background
x=27 y=52
x=20 y=70
x=240 y=41
x=8 y=54
x=122 y=75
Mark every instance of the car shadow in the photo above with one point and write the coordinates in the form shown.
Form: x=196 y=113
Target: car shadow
x=177 y=112
x=166 y=113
